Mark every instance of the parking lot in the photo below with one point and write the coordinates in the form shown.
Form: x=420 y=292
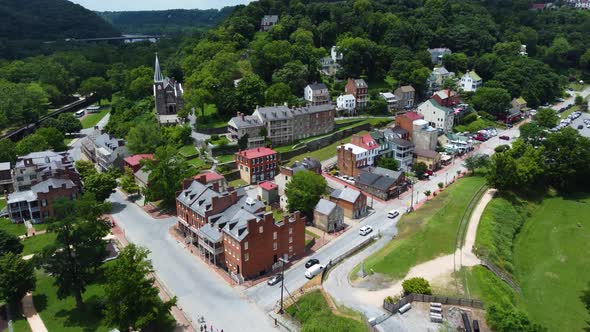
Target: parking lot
x=585 y=131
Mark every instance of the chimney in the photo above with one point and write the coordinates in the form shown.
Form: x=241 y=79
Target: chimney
x=238 y=114
x=242 y=115
x=258 y=149
x=259 y=198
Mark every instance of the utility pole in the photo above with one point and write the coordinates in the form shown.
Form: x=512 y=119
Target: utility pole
x=284 y=262
x=412 y=182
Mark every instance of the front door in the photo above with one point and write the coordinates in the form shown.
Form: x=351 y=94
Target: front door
x=275 y=259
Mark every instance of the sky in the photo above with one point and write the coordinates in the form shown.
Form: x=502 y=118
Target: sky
x=121 y=5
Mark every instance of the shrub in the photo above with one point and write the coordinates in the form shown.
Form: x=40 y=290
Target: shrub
x=440 y=185
x=214 y=137
x=501 y=148
x=416 y=285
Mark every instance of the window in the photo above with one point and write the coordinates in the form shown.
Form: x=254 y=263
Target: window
x=247 y=169
x=241 y=167
x=44 y=202
x=274 y=235
x=274 y=246
x=290 y=239
x=246 y=257
x=246 y=245
x=290 y=230
x=290 y=248
x=260 y=229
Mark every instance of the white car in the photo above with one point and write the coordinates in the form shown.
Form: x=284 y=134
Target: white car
x=365 y=230
x=392 y=214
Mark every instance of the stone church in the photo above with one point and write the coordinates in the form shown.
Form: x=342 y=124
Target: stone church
x=168 y=97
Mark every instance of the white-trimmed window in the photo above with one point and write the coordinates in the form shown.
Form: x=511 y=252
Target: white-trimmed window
x=260 y=229
x=290 y=239
x=246 y=245
x=274 y=235
x=274 y=246
x=246 y=257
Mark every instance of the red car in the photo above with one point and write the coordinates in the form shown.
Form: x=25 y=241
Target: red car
x=504 y=137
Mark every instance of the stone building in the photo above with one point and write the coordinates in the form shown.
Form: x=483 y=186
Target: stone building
x=168 y=95
x=328 y=216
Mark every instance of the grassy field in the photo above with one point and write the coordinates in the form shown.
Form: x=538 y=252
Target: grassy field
x=62 y=315
x=187 y=150
x=314 y=314
x=312 y=234
x=425 y=234
x=211 y=119
x=552 y=260
x=2 y=203
x=225 y=158
x=91 y=120
x=14 y=229
x=20 y=324
x=324 y=153
x=237 y=183
x=198 y=164
x=35 y=244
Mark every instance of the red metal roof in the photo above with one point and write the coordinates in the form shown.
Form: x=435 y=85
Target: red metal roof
x=136 y=158
x=366 y=142
x=257 y=152
x=267 y=185
x=209 y=176
x=413 y=116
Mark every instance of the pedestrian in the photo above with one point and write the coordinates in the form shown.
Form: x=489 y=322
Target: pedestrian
x=201 y=328
x=211 y=327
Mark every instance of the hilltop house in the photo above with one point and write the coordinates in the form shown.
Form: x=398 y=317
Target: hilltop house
x=268 y=21
x=346 y=103
x=317 y=94
x=360 y=90
x=438 y=116
x=437 y=54
x=405 y=97
x=470 y=81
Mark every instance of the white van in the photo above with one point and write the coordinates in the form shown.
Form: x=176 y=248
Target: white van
x=313 y=271
x=80 y=113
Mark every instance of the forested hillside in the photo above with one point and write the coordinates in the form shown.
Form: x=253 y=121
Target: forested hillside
x=385 y=39
x=49 y=20
x=165 y=21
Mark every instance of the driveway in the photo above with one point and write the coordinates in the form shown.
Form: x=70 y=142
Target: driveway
x=200 y=291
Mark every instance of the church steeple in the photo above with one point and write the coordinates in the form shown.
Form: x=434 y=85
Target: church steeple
x=157 y=73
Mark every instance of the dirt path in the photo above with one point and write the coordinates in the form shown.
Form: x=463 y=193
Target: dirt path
x=438 y=268
x=33 y=318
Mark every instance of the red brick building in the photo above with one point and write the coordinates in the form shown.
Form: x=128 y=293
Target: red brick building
x=257 y=164
x=360 y=90
x=353 y=202
x=235 y=232
x=133 y=162
x=406 y=121
x=212 y=178
x=447 y=98
x=37 y=203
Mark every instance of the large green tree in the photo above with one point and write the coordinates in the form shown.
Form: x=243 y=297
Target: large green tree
x=546 y=118
x=145 y=137
x=304 y=192
x=7 y=151
x=100 y=184
x=132 y=301
x=389 y=163
x=97 y=86
x=494 y=101
x=9 y=243
x=79 y=248
x=128 y=183
x=167 y=170
x=17 y=277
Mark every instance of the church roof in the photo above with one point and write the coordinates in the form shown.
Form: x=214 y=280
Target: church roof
x=157 y=72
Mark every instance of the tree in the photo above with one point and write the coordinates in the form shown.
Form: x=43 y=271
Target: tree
x=79 y=248
x=531 y=132
x=250 y=93
x=419 y=169
x=389 y=163
x=17 y=277
x=7 y=151
x=579 y=100
x=128 y=183
x=278 y=93
x=85 y=168
x=53 y=137
x=417 y=286
x=9 y=243
x=503 y=319
x=476 y=161
x=167 y=170
x=68 y=123
x=304 y=192
x=518 y=168
x=566 y=155
x=427 y=193
x=494 y=101
x=546 y=118
x=243 y=142
x=132 y=301
x=31 y=143
x=102 y=185
x=96 y=85
x=144 y=138
x=455 y=62
x=378 y=106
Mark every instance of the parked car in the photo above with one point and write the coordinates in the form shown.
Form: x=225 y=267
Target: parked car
x=392 y=214
x=365 y=230
x=580 y=127
x=313 y=271
x=275 y=279
x=561 y=100
x=509 y=125
x=311 y=262
x=504 y=137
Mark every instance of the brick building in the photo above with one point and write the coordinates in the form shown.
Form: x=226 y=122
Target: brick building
x=37 y=203
x=134 y=162
x=234 y=232
x=360 y=90
x=353 y=202
x=446 y=98
x=212 y=178
x=5 y=178
x=406 y=121
x=36 y=167
x=350 y=159
x=257 y=164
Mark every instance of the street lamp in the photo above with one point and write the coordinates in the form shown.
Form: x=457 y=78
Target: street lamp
x=412 y=182
x=446 y=173
x=284 y=262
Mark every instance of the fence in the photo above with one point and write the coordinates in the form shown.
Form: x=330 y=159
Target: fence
x=349 y=252
x=495 y=270
x=394 y=307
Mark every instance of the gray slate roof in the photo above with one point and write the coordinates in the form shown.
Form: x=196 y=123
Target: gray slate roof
x=248 y=121
x=346 y=194
x=380 y=182
x=325 y=207
x=268 y=19
x=107 y=141
x=43 y=187
x=5 y=166
x=360 y=83
x=318 y=86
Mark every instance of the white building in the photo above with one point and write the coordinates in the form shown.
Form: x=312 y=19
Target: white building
x=335 y=55
x=346 y=103
x=317 y=94
x=471 y=81
x=390 y=98
x=437 y=116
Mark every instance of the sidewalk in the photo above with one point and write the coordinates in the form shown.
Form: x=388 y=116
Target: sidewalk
x=33 y=318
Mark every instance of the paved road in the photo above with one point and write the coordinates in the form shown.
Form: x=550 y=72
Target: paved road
x=75 y=145
x=268 y=296
x=200 y=291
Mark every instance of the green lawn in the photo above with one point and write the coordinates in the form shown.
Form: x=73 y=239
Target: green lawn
x=20 y=324
x=2 y=203
x=312 y=234
x=14 y=229
x=427 y=233
x=566 y=113
x=482 y=284
x=552 y=262
x=238 y=183
x=314 y=314
x=62 y=315
x=326 y=152
x=35 y=244
x=91 y=120
x=40 y=227
x=187 y=150
x=220 y=140
x=225 y=158
x=211 y=119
